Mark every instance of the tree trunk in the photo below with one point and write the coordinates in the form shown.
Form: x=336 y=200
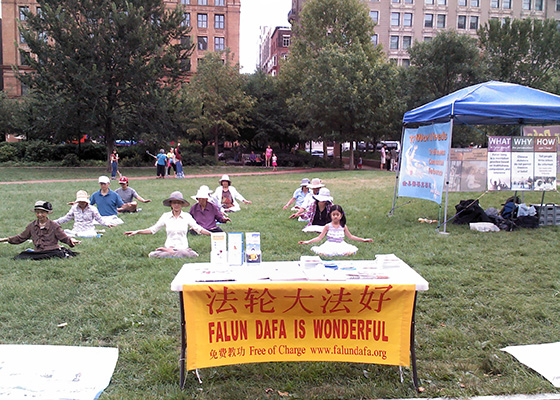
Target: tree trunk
x=351 y=158
x=216 y=143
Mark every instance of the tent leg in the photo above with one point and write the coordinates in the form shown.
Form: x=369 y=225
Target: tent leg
x=447 y=179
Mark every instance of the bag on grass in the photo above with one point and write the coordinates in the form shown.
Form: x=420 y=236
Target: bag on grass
x=469 y=211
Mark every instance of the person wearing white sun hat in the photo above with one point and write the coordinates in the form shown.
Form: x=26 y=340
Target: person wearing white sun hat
x=177 y=224
x=227 y=196
x=205 y=213
x=318 y=213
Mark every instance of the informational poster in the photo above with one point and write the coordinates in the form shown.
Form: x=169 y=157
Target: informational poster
x=522 y=163
x=467 y=170
x=424 y=163
x=499 y=163
x=301 y=321
x=546 y=131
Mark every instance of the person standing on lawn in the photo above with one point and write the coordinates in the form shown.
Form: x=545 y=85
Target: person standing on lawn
x=107 y=202
x=177 y=224
x=45 y=235
x=114 y=164
x=179 y=162
x=268 y=156
x=161 y=163
x=128 y=195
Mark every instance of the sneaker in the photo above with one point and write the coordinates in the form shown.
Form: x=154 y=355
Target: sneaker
x=138 y=209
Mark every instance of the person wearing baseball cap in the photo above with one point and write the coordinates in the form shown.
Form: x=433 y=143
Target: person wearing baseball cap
x=84 y=216
x=45 y=235
x=128 y=195
x=107 y=202
x=176 y=224
x=205 y=213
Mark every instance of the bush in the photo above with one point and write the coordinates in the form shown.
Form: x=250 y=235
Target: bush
x=134 y=161
x=8 y=152
x=70 y=160
x=197 y=159
x=39 y=151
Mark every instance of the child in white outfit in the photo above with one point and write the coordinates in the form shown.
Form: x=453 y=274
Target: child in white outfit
x=335 y=232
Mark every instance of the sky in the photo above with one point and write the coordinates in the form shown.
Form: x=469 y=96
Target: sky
x=254 y=14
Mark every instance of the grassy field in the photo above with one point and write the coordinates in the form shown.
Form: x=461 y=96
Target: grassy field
x=487 y=290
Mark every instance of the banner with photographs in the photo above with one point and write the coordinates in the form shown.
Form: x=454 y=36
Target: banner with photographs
x=467 y=170
x=522 y=163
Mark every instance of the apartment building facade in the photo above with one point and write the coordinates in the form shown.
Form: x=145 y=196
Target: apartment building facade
x=399 y=23
x=214 y=27
x=274 y=47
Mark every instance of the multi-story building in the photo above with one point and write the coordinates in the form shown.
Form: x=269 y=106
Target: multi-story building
x=274 y=46
x=214 y=23
x=399 y=23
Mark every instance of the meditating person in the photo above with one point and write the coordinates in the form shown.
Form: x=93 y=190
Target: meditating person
x=107 y=202
x=128 y=195
x=205 y=213
x=299 y=195
x=45 y=235
x=318 y=213
x=176 y=223
x=84 y=216
x=335 y=232
x=314 y=186
x=227 y=196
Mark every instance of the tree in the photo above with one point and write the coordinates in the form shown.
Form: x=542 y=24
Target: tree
x=105 y=66
x=449 y=62
x=524 y=51
x=223 y=105
x=337 y=77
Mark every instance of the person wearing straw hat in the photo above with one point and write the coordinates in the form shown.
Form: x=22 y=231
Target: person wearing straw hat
x=176 y=223
x=205 y=213
x=299 y=195
x=83 y=215
x=314 y=186
x=227 y=196
x=318 y=213
x=45 y=235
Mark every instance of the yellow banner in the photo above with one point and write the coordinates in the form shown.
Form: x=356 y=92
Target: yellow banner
x=234 y=323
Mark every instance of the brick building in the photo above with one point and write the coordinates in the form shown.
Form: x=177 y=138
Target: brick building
x=214 y=23
x=274 y=46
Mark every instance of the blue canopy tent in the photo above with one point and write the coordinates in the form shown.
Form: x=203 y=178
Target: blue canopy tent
x=488 y=103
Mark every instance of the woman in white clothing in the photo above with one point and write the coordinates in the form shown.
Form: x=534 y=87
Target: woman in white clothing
x=176 y=223
x=227 y=196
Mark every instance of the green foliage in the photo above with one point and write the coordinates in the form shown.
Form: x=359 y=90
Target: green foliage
x=70 y=160
x=39 y=150
x=449 y=62
x=99 y=68
x=523 y=51
x=9 y=152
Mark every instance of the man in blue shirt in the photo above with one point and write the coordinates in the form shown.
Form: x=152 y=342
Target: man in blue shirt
x=107 y=202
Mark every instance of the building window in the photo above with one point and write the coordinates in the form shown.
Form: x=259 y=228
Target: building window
x=394 y=45
x=21 y=38
x=538 y=5
x=185 y=2
x=375 y=39
x=442 y=2
x=461 y=22
x=475 y=3
x=428 y=39
x=186 y=41
x=24 y=60
x=428 y=20
x=506 y=4
x=187 y=20
x=219 y=44
x=495 y=4
x=441 y=21
x=407 y=19
x=202 y=2
x=557 y=5
x=202 y=20
x=406 y=42
x=429 y=2
x=39 y=10
x=393 y=61
x=526 y=4
x=395 y=1
x=219 y=2
x=395 y=19
x=202 y=43
x=374 y=15
x=408 y=1
x=463 y=3
x=286 y=41
x=474 y=23
x=405 y=62
x=219 y=21
x=22 y=11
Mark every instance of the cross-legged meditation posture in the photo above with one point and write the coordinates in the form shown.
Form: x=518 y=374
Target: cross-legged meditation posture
x=335 y=232
x=205 y=213
x=319 y=212
x=45 y=235
x=299 y=195
x=128 y=195
x=84 y=216
x=107 y=202
x=227 y=195
x=313 y=188
x=176 y=223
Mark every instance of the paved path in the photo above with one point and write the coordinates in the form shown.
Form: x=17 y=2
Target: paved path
x=262 y=172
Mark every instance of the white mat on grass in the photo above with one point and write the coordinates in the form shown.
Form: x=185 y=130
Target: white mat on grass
x=55 y=372
x=543 y=358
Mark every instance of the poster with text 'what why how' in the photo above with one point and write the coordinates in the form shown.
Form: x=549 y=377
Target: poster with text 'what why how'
x=300 y=321
x=522 y=163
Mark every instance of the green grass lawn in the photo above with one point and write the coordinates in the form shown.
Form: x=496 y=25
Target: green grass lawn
x=487 y=290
